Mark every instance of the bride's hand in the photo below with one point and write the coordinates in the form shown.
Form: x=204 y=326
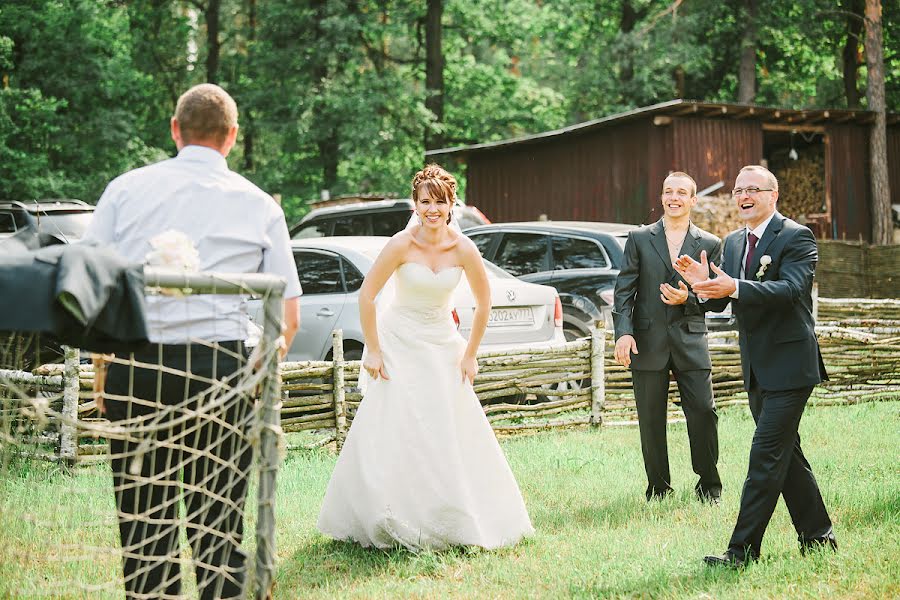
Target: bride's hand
x=469 y=367
x=374 y=365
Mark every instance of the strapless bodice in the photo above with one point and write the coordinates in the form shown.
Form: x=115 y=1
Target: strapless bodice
x=421 y=292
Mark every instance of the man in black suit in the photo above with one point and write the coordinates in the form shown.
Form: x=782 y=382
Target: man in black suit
x=661 y=328
x=767 y=275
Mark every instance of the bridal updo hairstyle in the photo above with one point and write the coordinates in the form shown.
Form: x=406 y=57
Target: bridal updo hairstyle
x=438 y=183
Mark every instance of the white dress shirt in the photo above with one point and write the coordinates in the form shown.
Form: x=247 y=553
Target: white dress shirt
x=235 y=226
x=758 y=231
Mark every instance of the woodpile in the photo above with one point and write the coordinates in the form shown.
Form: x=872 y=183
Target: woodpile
x=716 y=214
x=801 y=185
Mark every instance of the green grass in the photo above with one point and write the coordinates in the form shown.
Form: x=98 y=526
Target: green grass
x=596 y=536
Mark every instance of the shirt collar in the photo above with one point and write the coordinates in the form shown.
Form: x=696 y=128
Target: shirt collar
x=204 y=155
x=761 y=228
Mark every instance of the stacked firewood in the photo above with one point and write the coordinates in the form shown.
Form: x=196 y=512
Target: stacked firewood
x=802 y=187
x=716 y=214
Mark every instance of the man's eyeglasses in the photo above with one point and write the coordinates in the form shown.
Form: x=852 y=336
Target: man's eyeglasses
x=750 y=191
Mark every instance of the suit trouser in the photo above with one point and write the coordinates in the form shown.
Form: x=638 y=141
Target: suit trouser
x=651 y=393
x=778 y=466
x=208 y=448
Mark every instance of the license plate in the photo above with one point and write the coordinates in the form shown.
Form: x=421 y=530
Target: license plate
x=511 y=316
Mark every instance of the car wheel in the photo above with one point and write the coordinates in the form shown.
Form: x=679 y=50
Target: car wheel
x=353 y=354
x=571 y=333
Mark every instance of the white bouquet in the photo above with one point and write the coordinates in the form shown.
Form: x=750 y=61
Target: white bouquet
x=173 y=249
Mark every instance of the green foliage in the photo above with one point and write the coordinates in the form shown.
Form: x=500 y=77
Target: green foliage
x=332 y=92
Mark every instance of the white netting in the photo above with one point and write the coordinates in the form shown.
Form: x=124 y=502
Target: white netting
x=160 y=496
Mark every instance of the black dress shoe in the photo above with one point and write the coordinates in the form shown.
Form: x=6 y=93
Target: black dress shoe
x=729 y=560
x=708 y=498
x=819 y=543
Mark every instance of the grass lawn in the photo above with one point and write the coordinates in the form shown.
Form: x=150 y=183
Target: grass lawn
x=596 y=536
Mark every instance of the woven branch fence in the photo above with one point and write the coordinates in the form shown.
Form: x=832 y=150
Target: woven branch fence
x=574 y=384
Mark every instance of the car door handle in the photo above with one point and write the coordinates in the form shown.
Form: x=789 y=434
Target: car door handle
x=325 y=312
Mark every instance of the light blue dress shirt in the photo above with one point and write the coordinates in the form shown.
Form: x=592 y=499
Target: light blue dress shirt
x=235 y=226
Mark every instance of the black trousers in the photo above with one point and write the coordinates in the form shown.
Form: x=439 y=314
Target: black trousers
x=777 y=466
x=197 y=453
x=651 y=394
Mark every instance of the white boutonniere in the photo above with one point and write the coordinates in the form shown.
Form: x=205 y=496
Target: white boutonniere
x=764 y=263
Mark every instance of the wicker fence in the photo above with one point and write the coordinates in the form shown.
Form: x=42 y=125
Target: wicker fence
x=856 y=269
x=575 y=384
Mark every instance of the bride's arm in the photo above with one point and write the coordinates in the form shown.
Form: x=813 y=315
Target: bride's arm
x=390 y=257
x=481 y=289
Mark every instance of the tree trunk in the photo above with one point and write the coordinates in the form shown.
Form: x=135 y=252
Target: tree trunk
x=211 y=14
x=628 y=20
x=747 y=69
x=434 y=74
x=882 y=228
x=248 y=130
x=329 y=153
x=850 y=56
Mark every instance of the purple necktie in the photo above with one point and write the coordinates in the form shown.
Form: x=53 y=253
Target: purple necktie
x=751 y=246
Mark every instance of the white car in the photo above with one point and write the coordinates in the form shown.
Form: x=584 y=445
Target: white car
x=331 y=272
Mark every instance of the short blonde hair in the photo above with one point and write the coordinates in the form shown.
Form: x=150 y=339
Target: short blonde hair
x=773 y=181
x=686 y=176
x=206 y=113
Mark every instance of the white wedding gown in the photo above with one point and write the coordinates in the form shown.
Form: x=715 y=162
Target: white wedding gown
x=421 y=467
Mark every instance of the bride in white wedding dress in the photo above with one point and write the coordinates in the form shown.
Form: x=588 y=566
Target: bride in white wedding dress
x=421 y=467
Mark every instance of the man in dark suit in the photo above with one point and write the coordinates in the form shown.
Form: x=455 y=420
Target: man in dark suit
x=661 y=328
x=767 y=275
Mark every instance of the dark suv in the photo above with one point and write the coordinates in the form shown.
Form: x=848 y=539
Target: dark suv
x=43 y=222
x=371 y=217
x=580 y=259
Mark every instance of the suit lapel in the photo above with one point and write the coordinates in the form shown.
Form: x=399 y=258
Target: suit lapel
x=691 y=245
x=658 y=239
x=767 y=238
x=736 y=247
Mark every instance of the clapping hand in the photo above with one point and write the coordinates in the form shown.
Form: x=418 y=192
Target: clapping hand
x=720 y=287
x=673 y=296
x=690 y=269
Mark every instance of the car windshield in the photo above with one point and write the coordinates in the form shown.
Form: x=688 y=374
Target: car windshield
x=71 y=224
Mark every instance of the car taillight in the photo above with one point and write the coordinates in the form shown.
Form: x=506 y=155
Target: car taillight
x=607 y=296
x=455 y=317
x=557 y=314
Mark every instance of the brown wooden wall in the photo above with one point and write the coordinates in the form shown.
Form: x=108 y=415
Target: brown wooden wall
x=713 y=150
x=893 y=155
x=847 y=170
x=615 y=173
x=595 y=176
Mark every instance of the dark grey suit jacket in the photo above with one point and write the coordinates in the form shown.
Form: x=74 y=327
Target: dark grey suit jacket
x=774 y=311
x=661 y=331
x=83 y=296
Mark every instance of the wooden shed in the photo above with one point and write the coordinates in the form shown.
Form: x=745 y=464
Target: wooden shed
x=612 y=169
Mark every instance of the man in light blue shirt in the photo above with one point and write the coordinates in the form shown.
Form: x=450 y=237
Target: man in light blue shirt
x=199 y=429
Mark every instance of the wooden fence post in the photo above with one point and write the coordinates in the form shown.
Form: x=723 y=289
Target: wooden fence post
x=68 y=431
x=598 y=372
x=340 y=419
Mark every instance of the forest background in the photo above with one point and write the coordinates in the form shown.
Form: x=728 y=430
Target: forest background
x=346 y=95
